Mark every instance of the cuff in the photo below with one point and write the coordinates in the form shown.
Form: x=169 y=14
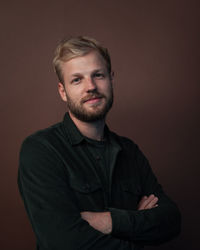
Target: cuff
x=121 y=224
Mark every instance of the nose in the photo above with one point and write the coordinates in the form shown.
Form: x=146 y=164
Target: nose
x=90 y=85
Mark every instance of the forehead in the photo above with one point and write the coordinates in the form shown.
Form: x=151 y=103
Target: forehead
x=83 y=64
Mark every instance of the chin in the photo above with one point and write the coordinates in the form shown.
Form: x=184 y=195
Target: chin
x=90 y=116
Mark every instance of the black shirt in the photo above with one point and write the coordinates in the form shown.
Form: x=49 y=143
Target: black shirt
x=101 y=151
x=59 y=177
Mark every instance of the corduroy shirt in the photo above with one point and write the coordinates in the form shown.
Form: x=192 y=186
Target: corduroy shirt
x=59 y=178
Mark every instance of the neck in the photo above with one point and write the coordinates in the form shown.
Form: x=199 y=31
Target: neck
x=92 y=130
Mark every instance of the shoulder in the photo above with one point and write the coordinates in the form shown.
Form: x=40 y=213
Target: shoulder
x=125 y=142
x=44 y=136
x=38 y=157
x=41 y=141
x=38 y=152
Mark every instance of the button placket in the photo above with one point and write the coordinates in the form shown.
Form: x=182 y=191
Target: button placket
x=86 y=187
x=98 y=158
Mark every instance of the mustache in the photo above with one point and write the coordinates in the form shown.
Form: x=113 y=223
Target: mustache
x=92 y=96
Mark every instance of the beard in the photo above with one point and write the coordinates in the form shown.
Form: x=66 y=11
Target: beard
x=98 y=111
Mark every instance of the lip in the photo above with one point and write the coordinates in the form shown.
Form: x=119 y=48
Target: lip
x=93 y=100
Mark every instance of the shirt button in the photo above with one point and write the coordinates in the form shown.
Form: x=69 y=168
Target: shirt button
x=86 y=187
x=98 y=158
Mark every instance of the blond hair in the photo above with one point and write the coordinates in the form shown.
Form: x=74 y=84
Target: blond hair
x=74 y=47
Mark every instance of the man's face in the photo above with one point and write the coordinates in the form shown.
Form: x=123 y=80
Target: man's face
x=87 y=87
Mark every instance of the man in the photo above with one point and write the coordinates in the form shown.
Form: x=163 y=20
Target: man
x=83 y=186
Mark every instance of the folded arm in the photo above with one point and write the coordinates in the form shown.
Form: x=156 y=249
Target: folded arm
x=102 y=221
x=147 y=226
x=52 y=207
x=156 y=220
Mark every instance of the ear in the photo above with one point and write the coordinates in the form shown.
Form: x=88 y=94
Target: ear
x=112 y=76
x=62 y=92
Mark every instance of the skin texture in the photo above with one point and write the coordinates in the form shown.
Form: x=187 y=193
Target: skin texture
x=148 y=202
x=87 y=90
x=100 y=221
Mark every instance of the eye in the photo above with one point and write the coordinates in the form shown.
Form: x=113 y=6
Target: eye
x=76 y=80
x=99 y=75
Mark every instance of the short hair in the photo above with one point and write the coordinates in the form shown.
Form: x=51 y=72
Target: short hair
x=77 y=46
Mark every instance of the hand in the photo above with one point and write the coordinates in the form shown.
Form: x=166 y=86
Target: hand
x=100 y=221
x=148 y=202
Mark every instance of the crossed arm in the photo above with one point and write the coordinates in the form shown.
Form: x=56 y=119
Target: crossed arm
x=56 y=218
x=102 y=221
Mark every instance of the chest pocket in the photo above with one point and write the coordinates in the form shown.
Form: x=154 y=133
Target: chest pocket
x=89 y=195
x=130 y=194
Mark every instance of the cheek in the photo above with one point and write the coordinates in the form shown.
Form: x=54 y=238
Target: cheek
x=105 y=87
x=74 y=94
x=108 y=90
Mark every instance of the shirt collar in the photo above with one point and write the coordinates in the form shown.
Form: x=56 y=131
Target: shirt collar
x=75 y=137
x=72 y=132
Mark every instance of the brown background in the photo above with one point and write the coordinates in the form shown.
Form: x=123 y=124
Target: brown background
x=155 y=51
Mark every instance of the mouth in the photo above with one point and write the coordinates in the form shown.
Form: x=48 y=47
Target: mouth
x=93 y=99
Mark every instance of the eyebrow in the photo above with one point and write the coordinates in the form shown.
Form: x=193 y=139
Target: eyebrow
x=94 y=71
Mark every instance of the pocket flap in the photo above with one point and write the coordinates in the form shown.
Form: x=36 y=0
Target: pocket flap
x=129 y=186
x=85 y=187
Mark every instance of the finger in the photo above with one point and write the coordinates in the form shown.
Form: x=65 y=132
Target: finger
x=141 y=204
x=152 y=203
x=145 y=202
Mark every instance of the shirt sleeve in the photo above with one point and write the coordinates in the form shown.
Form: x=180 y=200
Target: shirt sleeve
x=51 y=206
x=152 y=226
